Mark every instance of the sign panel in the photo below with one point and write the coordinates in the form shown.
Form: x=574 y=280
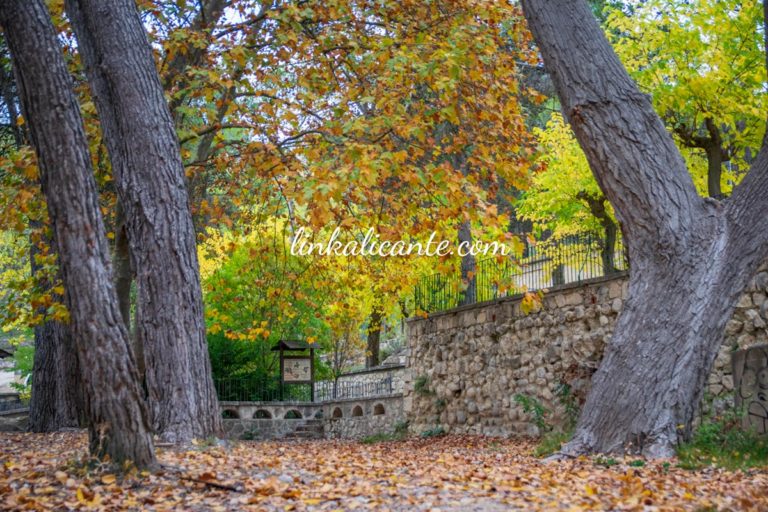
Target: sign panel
x=297 y=369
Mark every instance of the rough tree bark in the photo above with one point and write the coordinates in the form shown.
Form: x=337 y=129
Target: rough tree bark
x=141 y=140
x=56 y=400
x=122 y=264
x=210 y=11
x=55 y=388
x=117 y=416
x=691 y=256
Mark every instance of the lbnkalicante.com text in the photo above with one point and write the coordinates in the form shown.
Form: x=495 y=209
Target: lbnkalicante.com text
x=371 y=245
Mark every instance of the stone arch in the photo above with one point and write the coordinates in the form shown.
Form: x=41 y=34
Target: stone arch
x=378 y=410
x=357 y=411
x=337 y=413
x=262 y=414
x=230 y=414
x=293 y=414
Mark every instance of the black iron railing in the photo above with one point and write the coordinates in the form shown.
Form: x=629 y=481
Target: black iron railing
x=247 y=389
x=334 y=390
x=10 y=402
x=545 y=264
x=261 y=390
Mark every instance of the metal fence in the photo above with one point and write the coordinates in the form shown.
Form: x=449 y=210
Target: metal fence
x=332 y=390
x=245 y=389
x=545 y=264
x=10 y=402
x=271 y=390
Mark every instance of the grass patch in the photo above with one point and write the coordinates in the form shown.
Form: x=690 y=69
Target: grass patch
x=722 y=442
x=421 y=386
x=383 y=438
x=551 y=443
x=433 y=432
x=606 y=461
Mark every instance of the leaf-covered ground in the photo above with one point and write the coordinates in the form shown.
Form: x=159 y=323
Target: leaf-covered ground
x=47 y=471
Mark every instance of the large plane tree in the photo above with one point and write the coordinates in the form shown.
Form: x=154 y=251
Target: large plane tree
x=146 y=163
x=113 y=403
x=691 y=256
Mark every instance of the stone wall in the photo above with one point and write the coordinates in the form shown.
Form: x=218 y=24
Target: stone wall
x=750 y=373
x=352 y=419
x=466 y=365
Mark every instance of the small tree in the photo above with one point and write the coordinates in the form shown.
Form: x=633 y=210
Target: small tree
x=564 y=196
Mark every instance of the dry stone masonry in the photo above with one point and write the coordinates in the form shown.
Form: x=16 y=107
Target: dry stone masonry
x=467 y=365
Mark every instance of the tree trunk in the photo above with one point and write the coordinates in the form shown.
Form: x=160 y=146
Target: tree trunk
x=691 y=257
x=374 y=339
x=55 y=401
x=468 y=266
x=55 y=387
x=714 y=170
x=608 y=251
x=141 y=139
x=122 y=264
x=117 y=415
x=598 y=209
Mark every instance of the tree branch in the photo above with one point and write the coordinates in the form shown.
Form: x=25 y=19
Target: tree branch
x=632 y=156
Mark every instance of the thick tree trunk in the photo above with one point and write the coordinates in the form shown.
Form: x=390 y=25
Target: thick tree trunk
x=691 y=257
x=468 y=266
x=141 y=139
x=55 y=401
x=117 y=416
x=645 y=394
x=374 y=339
x=55 y=388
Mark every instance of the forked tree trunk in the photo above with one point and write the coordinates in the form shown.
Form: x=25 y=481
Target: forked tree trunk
x=117 y=416
x=141 y=139
x=691 y=257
